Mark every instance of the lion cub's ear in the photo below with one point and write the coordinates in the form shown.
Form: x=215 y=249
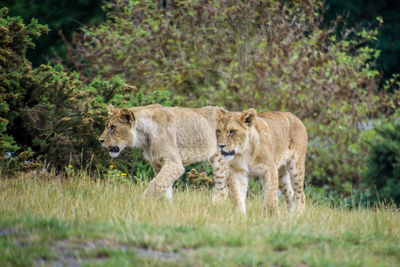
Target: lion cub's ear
x=112 y=110
x=248 y=116
x=126 y=116
x=221 y=112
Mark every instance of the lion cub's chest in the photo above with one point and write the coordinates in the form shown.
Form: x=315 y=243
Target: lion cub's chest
x=248 y=166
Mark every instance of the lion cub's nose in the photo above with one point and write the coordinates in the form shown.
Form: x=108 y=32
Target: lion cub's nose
x=221 y=146
x=101 y=141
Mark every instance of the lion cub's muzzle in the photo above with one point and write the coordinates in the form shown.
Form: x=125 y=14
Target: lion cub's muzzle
x=227 y=154
x=113 y=149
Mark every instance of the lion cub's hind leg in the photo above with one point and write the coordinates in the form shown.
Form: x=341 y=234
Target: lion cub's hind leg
x=220 y=172
x=297 y=171
x=285 y=186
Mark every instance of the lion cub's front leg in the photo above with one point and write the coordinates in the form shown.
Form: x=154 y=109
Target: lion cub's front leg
x=220 y=172
x=162 y=183
x=238 y=183
x=270 y=184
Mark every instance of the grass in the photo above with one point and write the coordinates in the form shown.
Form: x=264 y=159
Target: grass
x=84 y=221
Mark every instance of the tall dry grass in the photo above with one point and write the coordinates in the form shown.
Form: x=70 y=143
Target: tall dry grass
x=83 y=208
x=86 y=199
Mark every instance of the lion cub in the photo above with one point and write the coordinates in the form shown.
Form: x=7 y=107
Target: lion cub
x=170 y=138
x=271 y=145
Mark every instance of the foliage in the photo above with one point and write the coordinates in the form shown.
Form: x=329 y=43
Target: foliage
x=264 y=54
x=382 y=176
x=63 y=17
x=198 y=178
x=362 y=14
x=116 y=175
x=50 y=113
x=15 y=39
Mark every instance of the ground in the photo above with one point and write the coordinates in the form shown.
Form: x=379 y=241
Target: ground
x=83 y=221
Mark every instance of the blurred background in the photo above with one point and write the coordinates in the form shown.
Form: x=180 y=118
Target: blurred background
x=65 y=17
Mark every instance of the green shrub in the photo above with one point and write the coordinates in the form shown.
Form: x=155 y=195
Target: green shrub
x=382 y=176
x=15 y=81
x=48 y=114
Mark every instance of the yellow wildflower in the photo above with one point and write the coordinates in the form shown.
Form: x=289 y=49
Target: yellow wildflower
x=124 y=174
x=111 y=166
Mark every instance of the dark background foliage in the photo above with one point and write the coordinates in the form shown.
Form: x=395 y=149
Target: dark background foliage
x=61 y=16
x=382 y=176
x=363 y=14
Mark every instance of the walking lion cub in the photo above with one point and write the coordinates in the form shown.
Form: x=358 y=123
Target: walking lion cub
x=171 y=138
x=271 y=145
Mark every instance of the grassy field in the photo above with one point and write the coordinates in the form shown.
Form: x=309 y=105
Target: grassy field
x=83 y=221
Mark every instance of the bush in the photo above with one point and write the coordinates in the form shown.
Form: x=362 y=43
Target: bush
x=48 y=114
x=382 y=176
x=15 y=81
x=271 y=55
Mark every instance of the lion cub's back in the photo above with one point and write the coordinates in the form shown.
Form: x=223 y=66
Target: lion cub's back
x=195 y=132
x=200 y=118
x=286 y=125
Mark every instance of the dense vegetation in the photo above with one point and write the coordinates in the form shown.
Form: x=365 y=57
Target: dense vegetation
x=382 y=176
x=238 y=54
x=47 y=113
x=63 y=18
x=67 y=17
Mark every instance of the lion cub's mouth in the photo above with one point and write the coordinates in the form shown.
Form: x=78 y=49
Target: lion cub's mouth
x=113 y=149
x=227 y=154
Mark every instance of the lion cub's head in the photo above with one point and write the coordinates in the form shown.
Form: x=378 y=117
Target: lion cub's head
x=233 y=130
x=118 y=133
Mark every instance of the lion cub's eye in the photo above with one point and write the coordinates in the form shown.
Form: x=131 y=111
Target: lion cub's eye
x=232 y=132
x=112 y=128
x=218 y=132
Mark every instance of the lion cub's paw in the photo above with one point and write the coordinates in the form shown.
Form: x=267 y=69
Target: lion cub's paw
x=219 y=197
x=166 y=194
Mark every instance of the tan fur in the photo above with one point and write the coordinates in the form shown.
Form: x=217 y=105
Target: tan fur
x=170 y=138
x=271 y=145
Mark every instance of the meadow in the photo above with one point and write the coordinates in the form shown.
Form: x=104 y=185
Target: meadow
x=83 y=221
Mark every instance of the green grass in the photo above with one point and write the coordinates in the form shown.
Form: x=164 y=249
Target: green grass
x=47 y=221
